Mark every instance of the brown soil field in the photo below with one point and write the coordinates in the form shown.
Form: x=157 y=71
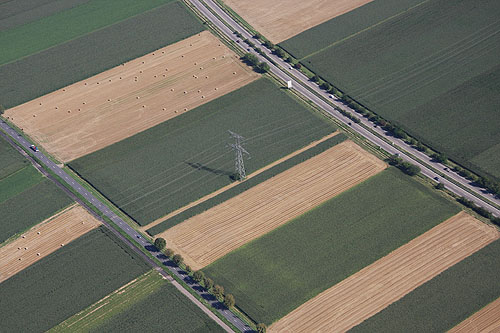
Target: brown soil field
x=280 y=20
x=485 y=320
x=111 y=106
x=44 y=238
x=227 y=187
x=212 y=234
x=370 y=290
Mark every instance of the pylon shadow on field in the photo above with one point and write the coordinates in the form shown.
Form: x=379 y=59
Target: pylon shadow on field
x=218 y=172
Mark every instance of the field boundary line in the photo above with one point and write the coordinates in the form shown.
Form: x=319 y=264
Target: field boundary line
x=364 y=30
x=227 y=187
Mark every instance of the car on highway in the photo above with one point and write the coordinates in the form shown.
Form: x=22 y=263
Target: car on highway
x=34 y=148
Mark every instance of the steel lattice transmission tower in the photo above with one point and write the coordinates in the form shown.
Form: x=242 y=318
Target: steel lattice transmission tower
x=239 y=150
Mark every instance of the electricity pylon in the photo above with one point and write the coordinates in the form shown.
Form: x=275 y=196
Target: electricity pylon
x=239 y=150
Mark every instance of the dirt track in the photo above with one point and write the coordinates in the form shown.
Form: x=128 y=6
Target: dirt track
x=369 y=291
x=44 y=239
x=279 y=20
x=113 y=105
x=485 y=320
x=210 y=235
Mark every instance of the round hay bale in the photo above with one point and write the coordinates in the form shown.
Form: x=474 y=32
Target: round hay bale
x=164 y=109
x=38 y=254
x=38 y=233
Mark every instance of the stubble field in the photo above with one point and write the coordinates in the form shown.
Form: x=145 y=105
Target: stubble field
x=113 y=105
x=210 y=235
x=445 y=301
x=44 y=239
x=280 y=20
x=370 y=290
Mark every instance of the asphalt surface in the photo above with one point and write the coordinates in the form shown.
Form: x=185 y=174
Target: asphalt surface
x=39 y=157
x=376 y=135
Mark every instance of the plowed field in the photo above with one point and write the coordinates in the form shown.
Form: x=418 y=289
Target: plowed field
x=206 y=237
x=485 y=320
x=367 y=292
x=44 y=239
x=280 y=20
x=116 y=104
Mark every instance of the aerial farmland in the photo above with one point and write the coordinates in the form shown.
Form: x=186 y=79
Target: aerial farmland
x=249 y=166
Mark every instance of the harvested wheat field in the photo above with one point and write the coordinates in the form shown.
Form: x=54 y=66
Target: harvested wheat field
x=369 y=291
x=283 y=19
x=485 y=320
x=116 y=104
x=44 y=239
x=210 y=235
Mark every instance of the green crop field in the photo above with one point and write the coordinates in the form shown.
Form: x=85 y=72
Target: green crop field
x=446 y=300
x=164 y=310
x=68 y=24
x=246 y=185
x=10 y=160
x=152 y=305
x=16 y=13
x=90 y=54
x=109 y=306
x=351 y=23
x=172 y=164
x=67 y=281
x=18 y=182
x=30 y=204
x=278 y=272
x=432 y=69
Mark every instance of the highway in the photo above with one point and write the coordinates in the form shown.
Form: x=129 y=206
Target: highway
x=19 y=140
x=302 y=85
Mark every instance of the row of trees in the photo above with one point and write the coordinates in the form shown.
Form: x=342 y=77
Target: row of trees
x=406 y=167
x=252 y=60
x=198 y=276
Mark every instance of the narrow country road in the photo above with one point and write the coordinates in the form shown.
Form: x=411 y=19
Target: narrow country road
x=19 y=140
x=302 y=85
